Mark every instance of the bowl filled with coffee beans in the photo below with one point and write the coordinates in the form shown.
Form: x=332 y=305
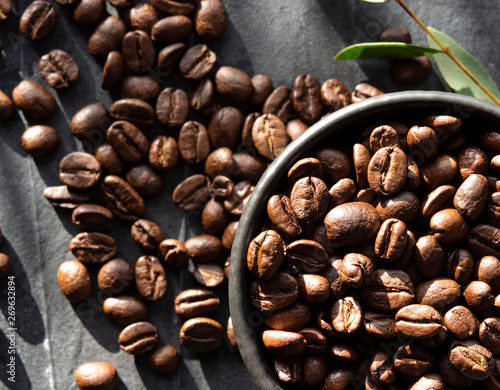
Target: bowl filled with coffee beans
x=369 y=254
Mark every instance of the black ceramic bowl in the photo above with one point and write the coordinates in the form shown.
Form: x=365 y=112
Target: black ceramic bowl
x=341 y=126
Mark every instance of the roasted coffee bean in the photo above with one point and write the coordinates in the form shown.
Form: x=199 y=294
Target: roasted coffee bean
x=172 y=29
x=5 y=9
x=336 y=164
x=423 y=143
x=387 y=171
x=403 y=206
x=429 y=381
x=192 y=193
x=194 y=143
x=461 y=322
x=482 y=240
x=383 y=136
x=332 y=273
x=150 y=278
x=109 y=159
x=342 y=192
x=357 y=270
x=346 y=315
x=343 y=353
x=395 y=34
x=215 y=217
x=471 y=197
x=437 y=172
x=413 y=360
x=295 y=127
x=112 y=72
x=196 y=302
x=479 y=296
x=228 y=234
x=437 y=292
x=209 y=275
x=279 y=103
x=411 y=71
x=33 y=99
x=448 y=226
x=338 y=379
x=120 y=3
x=139 y=87
x=493 y=209
x=316 y=369
x=174 y=254
x=313 y=288
x=391 y=240
x=90 y=123
x=418 y=321
x=141 y=17
x=88 y=13
x=452 y=376
x=197 y=62
x=136 y=111
x=488 y=271
x=220 y=163
x=164 y=359
x=353 y=223
x=472 y=160
x=309 y=199
x=202 y=95
x=5 y=266
x=174 y=7
x=306 y=98
x=471 y=359
x=96 y=375
x=221 y=187
x=269 y=136
x=115 y=276
x=40 y=141
x=391 y=289
x=305 y=167
x=37 y=20
x=92 y=217
x=262 y=88
x=204 y=248
x=122 y=199
x=201 y=334
x=382 y=368
x=439 y=340
x=283 y=343
x=169 y=57
x=364 y=91
x=335 y=95
x=380 y=325
x=489 y=334
x=233 y=84
x=74 y=280
x=138 y=338
x=172 y=107
x=210 y=19
x=146 y=234
x=361 y=158
x=248 y=167
x=436 y=200
x=224 y=128
x=163 y=153
x=315 y=341
x=129 y=142
x=275 y=293
x=236 y=202
x=291 y=318
x=306 y=255
x=90 y=248
x=79 y=170
x=107 y=36
x=459 y=266
x=64 y=197
x=6 y=107
x=147 y=182
x=59 y=69
x=428 y=257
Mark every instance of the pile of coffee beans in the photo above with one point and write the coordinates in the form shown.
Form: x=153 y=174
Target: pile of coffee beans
x=378 y=265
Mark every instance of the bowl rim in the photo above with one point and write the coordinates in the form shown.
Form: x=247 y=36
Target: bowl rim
x=242 y=313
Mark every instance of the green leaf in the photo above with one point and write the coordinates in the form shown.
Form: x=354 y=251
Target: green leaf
x=455 y=77
x=384 y=50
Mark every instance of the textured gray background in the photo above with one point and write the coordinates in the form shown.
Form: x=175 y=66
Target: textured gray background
x=281 y=38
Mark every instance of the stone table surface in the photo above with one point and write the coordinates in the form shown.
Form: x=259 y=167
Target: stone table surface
x=280 y=38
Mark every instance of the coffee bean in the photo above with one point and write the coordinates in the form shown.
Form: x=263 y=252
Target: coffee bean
x=194 y=144
x=493 y=209
x=120 y=3
x=313 y=288
x=112 y=72
x=380 y=325
x=309 y=198
x=202 y=95
x=437 y=292
x=403 y=206
x=411 y=71
x=429 y=381
x=172 y=107
x=229 y=234
x=196 y=302
x=224 y=128
x=413 y=360
x=174 y=7
x=79 y=170
x=96 y=375
x=37 y=20
x=233 y=84
x=452 y=376
x=332 y=273
x=125 y=310
x=201 y=334
x=220 y=162
x=459 y=266
x=279 y=103
x=448 y=226
x=92 y=217
x=174 y=253
x=90 y=123
x=335 y=95
x=428 y=257
x=418 y=321
x=169 y=57
x=282 y=343
x=236 y=202
x=364 y=91
x=136 y=111
x=472 y=160
x=90 y=248
x=391 y=240
x=471 y=359
x=210 y=19
x=391 y=289
x=204 y=248
x=436 y=200
x=437 y=172
x=40 y=141
x=316 y=369
x=387 y=171
x=146 y=234
x=5 y=266
x=172 y=29
x=215 y=217
x=192 y=193
x=140 y=87
x=336 y=164
x=88 y=13
x=482 y=240
x=384 y=136
x=295 y=128
x=316 y=342
x=64 y=197
x=488 y=271
x=6 y=107
x=248 y=167
x=306 y=98
x=357 y=270
x=262 y=88
x=471 y=197
x=107 y=36
x=275 y=293
x=33 y=99
x=138 y=52
x=163 y=154
x=109 y=159
x=115 y=276
x=74 y=281
x=164 y=359
x=346 y=315
x=305 y=167
x=281 y=213
x=197 y=62
x=141 y=17
x=461 y=322
x=138 y=338
x=307 y=255
x=342 y=353
x=209 y=275
x=129 y=142
x=59 y=69
x=489 y=334
x=291 y=318
x=423 y=143
x=338 y=379
x=122 y=199
x=478 y=296
x=147 y=182
x=395 y=34
x=150 y=278
x=5 y=9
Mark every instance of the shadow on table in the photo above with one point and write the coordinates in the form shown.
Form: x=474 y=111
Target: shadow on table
x=16 y=369
x=28 y=319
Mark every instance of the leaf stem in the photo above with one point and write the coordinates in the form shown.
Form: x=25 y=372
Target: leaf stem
x=447 y=51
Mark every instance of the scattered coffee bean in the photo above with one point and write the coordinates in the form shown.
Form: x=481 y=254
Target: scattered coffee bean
x=197 y=62
x=138 y=338
x=33 y=99
x=88 y=13
x=90 y=123
x=115 y=276
x=92 y=217
x=163 y=153
x=164 y=359
x=136 y=111
x=196 y=302
x=96 y=375
x=74 y=280
x=150 y=278
x=125 y=310
x=172 y=29
x=79 y=170
x=201 y=334
x=122 y=199
x=107 y=37
x=147 y=182
x=40 y=141
x=210 y=19
x=174 y=254
x=141 y=17
x=146 y=234
x=59 y=69
x=65 y=197
x=90 y=248
x=38 y=20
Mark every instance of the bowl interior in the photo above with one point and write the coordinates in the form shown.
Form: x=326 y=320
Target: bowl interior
x=333 y=131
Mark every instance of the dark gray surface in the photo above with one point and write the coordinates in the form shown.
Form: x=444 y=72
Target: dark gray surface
x=281 y=38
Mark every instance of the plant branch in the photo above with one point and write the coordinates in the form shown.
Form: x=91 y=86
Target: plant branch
x=447 y=51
